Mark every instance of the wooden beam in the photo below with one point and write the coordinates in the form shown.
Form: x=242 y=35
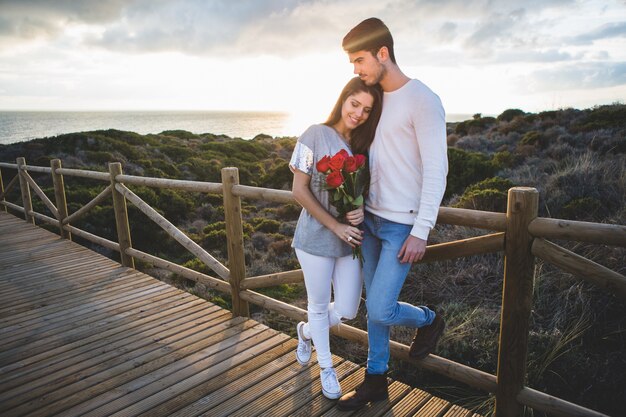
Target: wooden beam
x=517 y=298
x=472 y=218
x=121 y=216
x=84 y=209
x=41 y=194
x=580 y=266
x=271 y=280
x=479 y=245
x=59 y=197
x=27 y=201
x=234 y=240
x=266 y=194
x=109 y=244
x=199 y=186
x=173 y=231
x=604 y=234
x=196 y=276
x=454 y=370
x=554 y=406
x=94 y=175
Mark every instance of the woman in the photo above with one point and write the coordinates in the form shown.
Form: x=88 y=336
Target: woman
x=323 y=244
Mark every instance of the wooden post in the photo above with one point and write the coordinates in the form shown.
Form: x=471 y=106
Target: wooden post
x=517 y=297
x=121 y=217
x=2 y=191
x=59 y=197
x=234 y=237
x=27 y=202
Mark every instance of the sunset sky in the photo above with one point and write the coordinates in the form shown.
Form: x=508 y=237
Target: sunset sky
x=479 y=56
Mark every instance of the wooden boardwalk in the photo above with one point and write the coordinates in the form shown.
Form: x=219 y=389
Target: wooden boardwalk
x=82 y=335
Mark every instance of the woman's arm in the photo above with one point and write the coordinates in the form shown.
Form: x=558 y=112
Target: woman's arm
x=303 y=195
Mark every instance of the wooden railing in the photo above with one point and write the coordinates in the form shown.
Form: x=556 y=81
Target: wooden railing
x=519 y=233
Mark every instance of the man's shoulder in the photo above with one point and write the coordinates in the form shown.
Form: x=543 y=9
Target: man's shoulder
x=421 y=90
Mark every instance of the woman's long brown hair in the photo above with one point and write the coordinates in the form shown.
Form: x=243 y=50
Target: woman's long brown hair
x=360 y=138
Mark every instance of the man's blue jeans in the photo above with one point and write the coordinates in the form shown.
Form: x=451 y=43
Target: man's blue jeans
x=384 y=277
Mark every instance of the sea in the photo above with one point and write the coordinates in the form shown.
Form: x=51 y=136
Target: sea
x=20 y=126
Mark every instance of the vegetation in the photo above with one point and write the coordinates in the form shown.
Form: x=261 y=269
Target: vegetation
x=574 y=158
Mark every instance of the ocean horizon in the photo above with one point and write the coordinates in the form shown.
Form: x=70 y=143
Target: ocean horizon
x=22 y=125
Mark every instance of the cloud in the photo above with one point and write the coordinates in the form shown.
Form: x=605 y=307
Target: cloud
x=577 y=76
x=606 y=31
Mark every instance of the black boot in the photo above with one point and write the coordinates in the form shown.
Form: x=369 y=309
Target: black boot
x=373 y=388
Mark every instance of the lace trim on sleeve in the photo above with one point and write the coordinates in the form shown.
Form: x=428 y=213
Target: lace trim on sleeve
x=302 y=159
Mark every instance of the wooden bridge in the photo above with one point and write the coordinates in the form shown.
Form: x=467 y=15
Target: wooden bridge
x=83 y=335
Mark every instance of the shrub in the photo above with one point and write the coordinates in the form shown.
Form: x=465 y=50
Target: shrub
x=534 y=138
x=488 y=195
x=510 y=114
x=466 y=168
x=289 y=212
x=267 y=226
x=613 y=116
x=278 y=176
x=585 y=209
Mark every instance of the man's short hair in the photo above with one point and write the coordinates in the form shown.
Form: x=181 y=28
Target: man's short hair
x=369 y=35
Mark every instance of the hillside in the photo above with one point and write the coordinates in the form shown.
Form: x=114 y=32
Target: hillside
x=575 y=158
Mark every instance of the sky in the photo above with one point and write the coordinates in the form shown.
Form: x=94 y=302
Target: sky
x=479 y=56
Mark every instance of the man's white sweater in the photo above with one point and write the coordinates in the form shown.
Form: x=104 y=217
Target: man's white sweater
x=408 y=159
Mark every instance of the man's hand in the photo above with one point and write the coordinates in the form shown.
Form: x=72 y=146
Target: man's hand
x=412 y=250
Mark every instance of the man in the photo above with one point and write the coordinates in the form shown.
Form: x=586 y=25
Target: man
x=408 y=164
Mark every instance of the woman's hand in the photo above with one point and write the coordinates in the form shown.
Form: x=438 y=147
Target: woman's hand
x=355 y=217
x=349 y=234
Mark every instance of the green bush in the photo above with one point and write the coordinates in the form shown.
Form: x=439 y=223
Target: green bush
x=267 y=226
x=487 y=195
x=467 y=168
x=583 y=209
x=279 y=176
x=510 y=114
x=534 y=138
x=603 y=117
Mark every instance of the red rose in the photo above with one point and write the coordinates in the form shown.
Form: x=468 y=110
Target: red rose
x=350 y=164
x=334 y=179
x=360 y=160
x=344 y=153
x=322 y=165
x=336 y=162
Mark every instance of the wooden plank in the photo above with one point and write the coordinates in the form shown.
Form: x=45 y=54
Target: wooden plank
x=70 y=301
x=175 y=385
x=131 y=300
x=273 y=389
x=156 y=320
x=413 y=401
x=300 y=397
x=101 y=379
x=63 y=379
x=229 y=351
x=54 y=279
x=347 y=384
x=213 y=391
x=397 y=391
x=71 y=334
x=47 y=305
x=458 y=411
x=88 y=337
x=434 y=407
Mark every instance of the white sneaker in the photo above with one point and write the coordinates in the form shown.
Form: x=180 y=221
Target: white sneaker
x=330 y=384
x=303 y=352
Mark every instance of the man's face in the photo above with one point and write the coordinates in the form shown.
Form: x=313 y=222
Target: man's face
x=367 y=66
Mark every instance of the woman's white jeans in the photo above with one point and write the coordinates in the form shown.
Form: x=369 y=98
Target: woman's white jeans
x=320 y=272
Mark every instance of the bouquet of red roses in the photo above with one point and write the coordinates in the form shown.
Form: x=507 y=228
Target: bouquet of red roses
x=346 y=179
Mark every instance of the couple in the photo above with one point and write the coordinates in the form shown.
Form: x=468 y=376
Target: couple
x=399 y=123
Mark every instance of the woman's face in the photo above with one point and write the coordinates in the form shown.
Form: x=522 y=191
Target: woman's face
x=356 y=109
